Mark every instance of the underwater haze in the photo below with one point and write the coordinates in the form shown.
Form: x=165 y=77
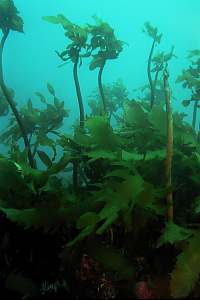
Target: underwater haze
x=30 y=59
x=99 y=149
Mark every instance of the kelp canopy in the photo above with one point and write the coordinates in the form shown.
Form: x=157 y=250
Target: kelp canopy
x=111 y=209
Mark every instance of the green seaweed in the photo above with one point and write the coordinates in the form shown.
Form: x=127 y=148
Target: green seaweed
x=190 y=79
x=11 y=21
x=129 y=211
x=105 y=46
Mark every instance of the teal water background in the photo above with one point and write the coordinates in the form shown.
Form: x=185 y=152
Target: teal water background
x=30 y=60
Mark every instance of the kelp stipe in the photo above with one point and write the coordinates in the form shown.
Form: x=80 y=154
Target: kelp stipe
x=169 y=155
x=156 y=62
x=116 y=95
x=11 y=21
x=105 y=46
x=39 y=125
x=153 y=33
x=78 y=36
x=190 y=79
x=109 y=234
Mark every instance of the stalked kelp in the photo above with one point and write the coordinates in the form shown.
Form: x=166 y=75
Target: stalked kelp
x=116 y=95
x=4 y=105
x=41 y=127
x=78 y=36
x=156 y=64
x=104 y=46
x=159 y=60
x=190 y=79
x=10 y=20
x=103 y=231
x=170 y=137
x=153 y=33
